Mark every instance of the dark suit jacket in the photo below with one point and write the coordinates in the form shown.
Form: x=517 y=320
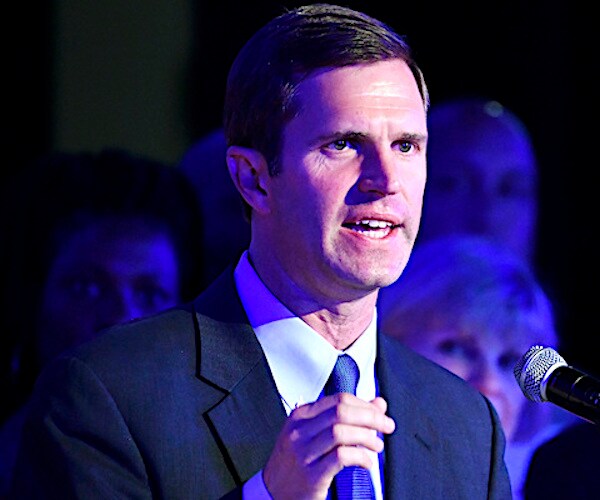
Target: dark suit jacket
x=182 y=405
x=566 y=466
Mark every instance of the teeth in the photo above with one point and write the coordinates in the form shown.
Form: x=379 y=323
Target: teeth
x=376 y=234
x=375 y=224
x=372 y=228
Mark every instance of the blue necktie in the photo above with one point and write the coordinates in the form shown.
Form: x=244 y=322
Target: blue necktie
x=351 y=482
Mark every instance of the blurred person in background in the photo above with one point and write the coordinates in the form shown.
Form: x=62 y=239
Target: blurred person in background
x=225 y=231
x=482 y=175
x=475 y=308
x=92 y=240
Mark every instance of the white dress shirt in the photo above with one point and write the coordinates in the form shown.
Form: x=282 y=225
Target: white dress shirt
x=300 y=359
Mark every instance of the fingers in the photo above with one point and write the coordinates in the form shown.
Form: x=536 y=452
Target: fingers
x=380 y=403
x=342 y=456
x=347 y=443
x=341 y=420
x=321 y=438
x=344 y=408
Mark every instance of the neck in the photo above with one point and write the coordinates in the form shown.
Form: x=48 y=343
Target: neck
x=338 y=319
x=341 y=327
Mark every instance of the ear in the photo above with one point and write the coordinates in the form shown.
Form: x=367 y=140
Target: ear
x=249 y=171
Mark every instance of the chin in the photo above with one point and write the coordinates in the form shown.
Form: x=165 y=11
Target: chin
x=377 y=271
x=387 y=280
x=391 y=273
x=379 y=277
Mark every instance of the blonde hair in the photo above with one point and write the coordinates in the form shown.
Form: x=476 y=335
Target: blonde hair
x=467 y=282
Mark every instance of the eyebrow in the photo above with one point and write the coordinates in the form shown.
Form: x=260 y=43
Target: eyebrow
x=347 y=134
x=353 y=135
x=414 y=137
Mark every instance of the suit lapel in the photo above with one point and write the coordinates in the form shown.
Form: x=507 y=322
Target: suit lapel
x=250 y=415
x=412 y=461
x=248 y=421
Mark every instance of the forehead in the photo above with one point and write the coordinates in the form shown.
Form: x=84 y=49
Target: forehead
x=107 y=241
x=487 y=143
x=386 y=86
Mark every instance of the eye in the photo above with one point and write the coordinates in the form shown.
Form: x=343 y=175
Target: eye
x=340 y=145
x=406 y=146
x=152 y=298
x=85 y=289
x=409 y=144
x=508 y=360
x=451 y=347
x=344 y=142
x=450 y=185
x=516 y=188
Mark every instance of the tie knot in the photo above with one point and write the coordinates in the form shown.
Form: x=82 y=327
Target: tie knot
x=344 y=377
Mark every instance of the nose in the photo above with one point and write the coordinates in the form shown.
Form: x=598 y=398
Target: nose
x=381 y=174
x=480 y=213
x=120 y=307
x=485 y=378
x=478 y=218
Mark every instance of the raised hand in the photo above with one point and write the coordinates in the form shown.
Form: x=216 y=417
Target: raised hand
x=321 y=438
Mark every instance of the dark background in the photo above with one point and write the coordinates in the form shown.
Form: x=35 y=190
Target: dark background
x=538 y=58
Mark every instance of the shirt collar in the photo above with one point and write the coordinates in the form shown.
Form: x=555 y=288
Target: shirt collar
x=299 y=358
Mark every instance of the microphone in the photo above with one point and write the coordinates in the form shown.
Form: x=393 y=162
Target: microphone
x=543 y=375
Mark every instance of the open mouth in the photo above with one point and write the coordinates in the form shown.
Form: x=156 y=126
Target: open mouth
x=371 y=228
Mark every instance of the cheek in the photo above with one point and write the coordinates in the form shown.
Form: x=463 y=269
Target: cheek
x=65 y=316
x=513 y=392
x=68 y=318
x=455 y=366
x=62 y=326
x=513 y=409
x=292 y=192
x=511 y=402
x=56 y=305
x=417 y=194
x=310 y=206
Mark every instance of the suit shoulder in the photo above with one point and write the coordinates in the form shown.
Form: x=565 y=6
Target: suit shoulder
x=154 y=338
x=436 y=385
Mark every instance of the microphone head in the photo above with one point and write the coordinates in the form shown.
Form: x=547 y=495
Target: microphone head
x=533 y=369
